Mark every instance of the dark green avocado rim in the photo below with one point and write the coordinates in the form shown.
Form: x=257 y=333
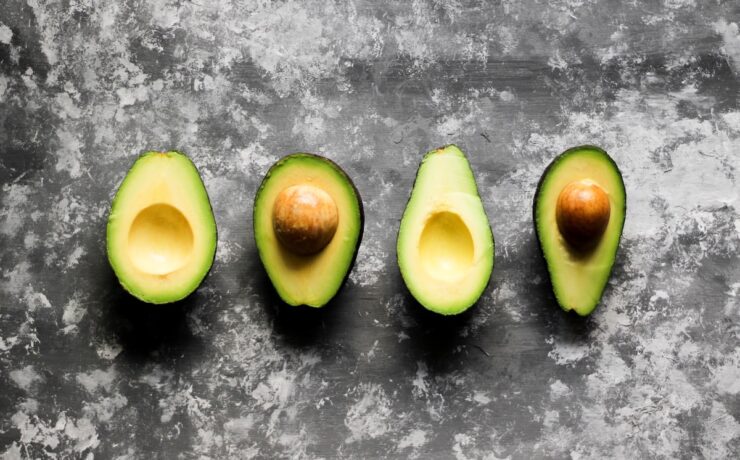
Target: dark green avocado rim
x=549 y=168
x=115 y=199
x=398 y=231
x=341 y=171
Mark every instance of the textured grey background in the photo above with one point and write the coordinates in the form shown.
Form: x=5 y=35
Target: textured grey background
x=85 y=86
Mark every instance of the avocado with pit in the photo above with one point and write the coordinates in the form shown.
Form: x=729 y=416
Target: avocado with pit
x=445 y=246
x=308 y=223
x=579 y=211
x=161 y=234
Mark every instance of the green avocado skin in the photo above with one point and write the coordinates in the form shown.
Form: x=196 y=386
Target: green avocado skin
x=349 y=181
x=551 y=167
x=113 y=206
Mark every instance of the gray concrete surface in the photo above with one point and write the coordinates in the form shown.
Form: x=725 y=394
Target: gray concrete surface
x=86 y=372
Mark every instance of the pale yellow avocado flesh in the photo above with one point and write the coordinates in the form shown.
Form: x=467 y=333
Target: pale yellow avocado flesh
x=161 y=234
x=445 y=246
x=308 y=280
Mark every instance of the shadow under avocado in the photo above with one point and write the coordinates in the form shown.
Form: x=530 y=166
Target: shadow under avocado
x=144 y=329
x=299 y=326
x=433 y=338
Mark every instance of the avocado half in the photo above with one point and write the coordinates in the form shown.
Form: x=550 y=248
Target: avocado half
x=445 y=245
x=161 y=234
x=579 y=276
x=308 y=279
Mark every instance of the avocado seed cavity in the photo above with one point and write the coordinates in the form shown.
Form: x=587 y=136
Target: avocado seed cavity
x=160 y=240
x=304 y=218
x=582 y=213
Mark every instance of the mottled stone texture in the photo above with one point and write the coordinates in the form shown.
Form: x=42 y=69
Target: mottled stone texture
x=230 y=373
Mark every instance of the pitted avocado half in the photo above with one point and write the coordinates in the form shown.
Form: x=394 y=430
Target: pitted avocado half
x=308 y=224
x=579 y=211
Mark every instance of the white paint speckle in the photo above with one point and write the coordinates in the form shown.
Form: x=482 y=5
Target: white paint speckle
x=731 y=38
x=35 y=300
x=732 y=305
x=3 y=87
x=239 y=428
x=420 y=386
x=193 y=405
x=67 y=107
x=557 y=62
x=369 y=265
x=13 y=452
x=130 y=96
x=108 y=350
x=727 y=376
x=370 y=355
x=277 y=390
x=165 y=14
x=74 y=257
x=370 y=415
x=481 y=398
x=25 y=378
x=104 y=409
x=6 y=34
x=83 y=433
x=74 y=311
x=14 y=200
x=30 y=240
x=68 y=154
x=415 y=439
x=507 y=96
x=97 y=380
x=559 y=390
x=565 y=353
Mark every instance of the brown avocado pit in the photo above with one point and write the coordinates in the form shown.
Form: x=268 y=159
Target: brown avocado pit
x=304 y=219
x=582 y=213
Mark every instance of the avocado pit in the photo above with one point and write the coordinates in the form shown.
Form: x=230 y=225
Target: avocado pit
x=304 y=219
x=582 y=213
